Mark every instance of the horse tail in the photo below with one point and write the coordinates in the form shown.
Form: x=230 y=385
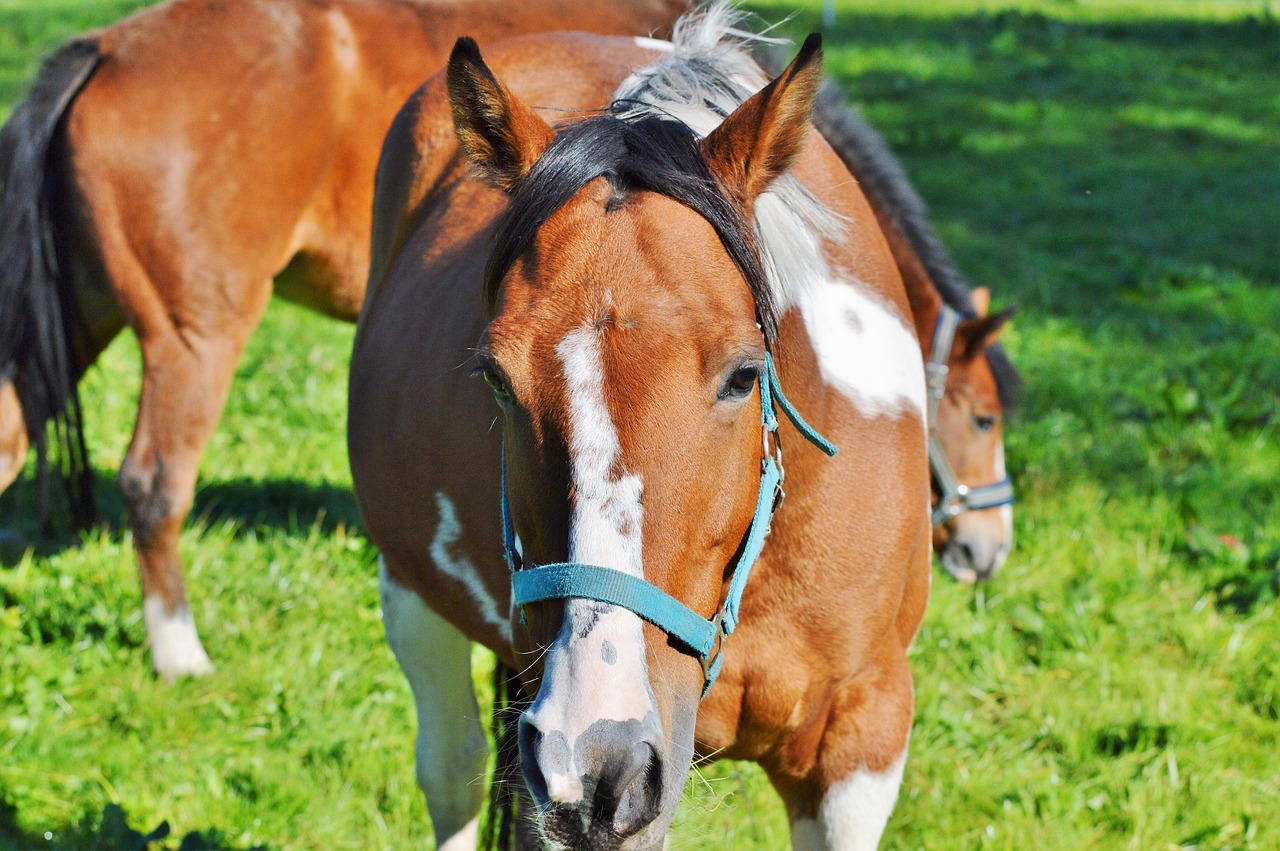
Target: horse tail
x=866 y=154
x=40 y=324
x=501 y=827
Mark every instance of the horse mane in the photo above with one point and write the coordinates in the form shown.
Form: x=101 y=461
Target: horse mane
x=866 y=153
x=709 y=72
x=40 y=324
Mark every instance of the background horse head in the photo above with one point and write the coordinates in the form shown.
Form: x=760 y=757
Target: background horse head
x=640 y=265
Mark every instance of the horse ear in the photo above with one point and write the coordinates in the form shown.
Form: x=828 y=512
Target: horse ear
x=756 y=144
x=981 y=297
x=979 y=334
x=501 y=136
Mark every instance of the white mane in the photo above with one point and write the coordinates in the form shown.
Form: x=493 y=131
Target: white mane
x=707 y=74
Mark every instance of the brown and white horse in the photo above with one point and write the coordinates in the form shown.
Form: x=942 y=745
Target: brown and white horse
x=614 y=252
x=171 y=172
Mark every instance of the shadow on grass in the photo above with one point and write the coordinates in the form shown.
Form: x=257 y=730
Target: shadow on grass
x=109 y=831
x=249 y=506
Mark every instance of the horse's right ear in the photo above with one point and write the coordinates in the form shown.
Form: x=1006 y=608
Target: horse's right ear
x=501 y=136
x=759 y=140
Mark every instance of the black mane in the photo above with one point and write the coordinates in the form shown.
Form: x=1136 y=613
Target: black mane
x=865 y=152
x=645 y=153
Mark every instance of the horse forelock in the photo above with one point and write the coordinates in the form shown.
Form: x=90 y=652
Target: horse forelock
x=649 y=141
x=637 y=153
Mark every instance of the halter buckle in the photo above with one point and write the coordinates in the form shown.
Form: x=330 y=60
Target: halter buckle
x=710 y=668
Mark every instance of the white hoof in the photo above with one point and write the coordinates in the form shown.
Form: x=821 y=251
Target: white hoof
x=176 y=650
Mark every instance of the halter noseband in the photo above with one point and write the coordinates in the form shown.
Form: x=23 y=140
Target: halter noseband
x=954 y=498
x=703 y=637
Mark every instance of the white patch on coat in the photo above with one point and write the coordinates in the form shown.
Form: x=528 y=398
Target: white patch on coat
x=579 y=687
x=854 y=812
x=456 y=564
x=451 y=749
x=176 y=650
x=865 y=351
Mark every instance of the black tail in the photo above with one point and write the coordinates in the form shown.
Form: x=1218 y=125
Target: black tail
x=502 y=825
x=866 y=154
x=40 y=325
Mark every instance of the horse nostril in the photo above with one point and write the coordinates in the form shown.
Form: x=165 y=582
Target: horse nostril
x=967 y=552
x=530 y=738
x=629 y=793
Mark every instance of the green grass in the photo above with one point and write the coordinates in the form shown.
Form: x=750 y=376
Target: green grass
x=1109 y=166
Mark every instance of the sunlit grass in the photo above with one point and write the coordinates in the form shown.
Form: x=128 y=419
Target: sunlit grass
x=1109 y=166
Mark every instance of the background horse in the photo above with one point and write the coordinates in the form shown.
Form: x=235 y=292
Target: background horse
x=172 y=171
x=628 y=328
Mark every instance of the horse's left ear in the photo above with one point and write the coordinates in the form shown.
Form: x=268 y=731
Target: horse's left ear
x=501 y=135
x=978 y=334
x=755 y=145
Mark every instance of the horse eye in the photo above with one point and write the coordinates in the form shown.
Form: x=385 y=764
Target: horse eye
x=740 y=383
x=494 y=379
x=984 y=424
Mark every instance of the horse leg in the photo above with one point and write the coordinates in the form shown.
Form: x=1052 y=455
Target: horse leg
x=186 y=378
x=845 y=801
x=451 y=749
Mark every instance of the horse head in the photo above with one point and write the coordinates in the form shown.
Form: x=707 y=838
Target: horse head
x=630 y=330
x=969 y=425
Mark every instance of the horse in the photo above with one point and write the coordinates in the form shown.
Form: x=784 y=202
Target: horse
x=596 y=267
x=168 y=174
x=972 y=382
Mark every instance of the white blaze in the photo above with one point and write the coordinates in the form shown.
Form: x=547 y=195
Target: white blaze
x=595 y=669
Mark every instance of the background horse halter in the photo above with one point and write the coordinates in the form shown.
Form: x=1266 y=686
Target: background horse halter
x=970 y=374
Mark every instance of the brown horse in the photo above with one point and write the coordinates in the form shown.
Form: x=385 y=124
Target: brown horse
x=620 y=255
x=169 y=173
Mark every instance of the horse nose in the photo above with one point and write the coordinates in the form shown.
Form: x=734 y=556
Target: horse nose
x=980 y=554
x=606 y=782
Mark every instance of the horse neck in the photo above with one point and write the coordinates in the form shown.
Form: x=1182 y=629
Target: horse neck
x=926 y=303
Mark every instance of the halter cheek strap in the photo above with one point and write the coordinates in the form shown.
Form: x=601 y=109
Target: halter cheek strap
x=700 y=636
x=954 y=498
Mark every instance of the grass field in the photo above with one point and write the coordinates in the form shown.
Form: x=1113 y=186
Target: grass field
x=1112 y=167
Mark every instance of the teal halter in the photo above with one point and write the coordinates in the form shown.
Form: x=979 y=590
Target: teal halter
x=701 y=636
x=954 y=498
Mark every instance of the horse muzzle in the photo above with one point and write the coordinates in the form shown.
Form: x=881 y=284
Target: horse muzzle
x=601 y=789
